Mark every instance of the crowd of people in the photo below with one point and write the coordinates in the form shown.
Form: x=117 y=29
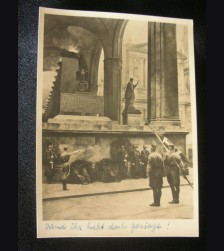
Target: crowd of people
x=126 y=164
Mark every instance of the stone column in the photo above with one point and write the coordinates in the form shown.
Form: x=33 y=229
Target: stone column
x=162 y=77
x=112 y=88
x=68 y=75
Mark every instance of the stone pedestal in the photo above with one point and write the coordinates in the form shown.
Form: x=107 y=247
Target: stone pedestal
x=131 y=116
x=133 y=119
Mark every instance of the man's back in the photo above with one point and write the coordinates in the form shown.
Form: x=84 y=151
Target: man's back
x=155 y=160
x=173 y=159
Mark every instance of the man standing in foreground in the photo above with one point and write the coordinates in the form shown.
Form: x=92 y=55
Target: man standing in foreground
x=172 y=164
x=155 y=174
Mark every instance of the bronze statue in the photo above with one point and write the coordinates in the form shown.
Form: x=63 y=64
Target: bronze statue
x=129 y=93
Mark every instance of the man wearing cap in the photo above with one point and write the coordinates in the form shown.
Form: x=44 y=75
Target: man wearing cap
x=129 y=93
x=172 y=164
x=155 y=174
x=144 y=161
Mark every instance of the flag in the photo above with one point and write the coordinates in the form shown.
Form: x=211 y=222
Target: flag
x=167 y=143
x=75 y=155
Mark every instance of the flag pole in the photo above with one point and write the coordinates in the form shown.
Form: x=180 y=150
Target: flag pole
x=158 y=137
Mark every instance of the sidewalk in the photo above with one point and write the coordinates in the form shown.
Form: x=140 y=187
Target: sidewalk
x=54 y=191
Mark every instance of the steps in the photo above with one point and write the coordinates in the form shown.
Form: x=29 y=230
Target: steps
x=87 y=123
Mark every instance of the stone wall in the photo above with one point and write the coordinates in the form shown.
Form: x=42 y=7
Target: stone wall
x=99 y=145
x=81 y=104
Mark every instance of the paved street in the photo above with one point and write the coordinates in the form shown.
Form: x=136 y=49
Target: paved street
x=129 y=205
x=128 y=199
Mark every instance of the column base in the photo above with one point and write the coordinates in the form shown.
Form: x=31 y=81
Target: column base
x=165 y=124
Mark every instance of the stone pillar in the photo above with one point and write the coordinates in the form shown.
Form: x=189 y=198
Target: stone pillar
x=162 y=78
x=112 y=88
x=68 y=75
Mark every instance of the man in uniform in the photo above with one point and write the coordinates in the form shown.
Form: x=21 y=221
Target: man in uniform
x=135 y=161
x=155 y=174
x=164 y=154
x=65 y=156
x=144 y=161
x=173 y=162
x=122 y=158
x=50 y=157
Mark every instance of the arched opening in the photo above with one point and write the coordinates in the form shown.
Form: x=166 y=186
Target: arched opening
x=135 y=64
x=72 y=66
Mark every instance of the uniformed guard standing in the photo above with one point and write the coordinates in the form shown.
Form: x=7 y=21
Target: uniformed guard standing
x=155 y=174
x=172 y=164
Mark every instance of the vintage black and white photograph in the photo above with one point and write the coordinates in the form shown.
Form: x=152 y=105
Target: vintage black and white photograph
x=116 y=126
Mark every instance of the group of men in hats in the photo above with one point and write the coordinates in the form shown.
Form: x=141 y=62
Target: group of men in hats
x=155 y=171
x=136 y=159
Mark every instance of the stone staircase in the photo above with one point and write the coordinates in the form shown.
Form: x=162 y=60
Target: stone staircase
x=52 y=106
x=86 y=123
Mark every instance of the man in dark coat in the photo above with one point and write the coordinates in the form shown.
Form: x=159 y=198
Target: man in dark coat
x=135 y=162
x=144 y=161
x=155 y=174
x=129 y=93
x=50 y=158
x=172 y=164
x=122 y=158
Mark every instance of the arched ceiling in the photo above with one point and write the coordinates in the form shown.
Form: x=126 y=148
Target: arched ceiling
x=82 y=35
x=71 y=38
x=105 y=29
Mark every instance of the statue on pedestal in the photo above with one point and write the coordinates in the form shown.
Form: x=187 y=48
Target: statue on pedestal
x=130 y=94
x=129 y=101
